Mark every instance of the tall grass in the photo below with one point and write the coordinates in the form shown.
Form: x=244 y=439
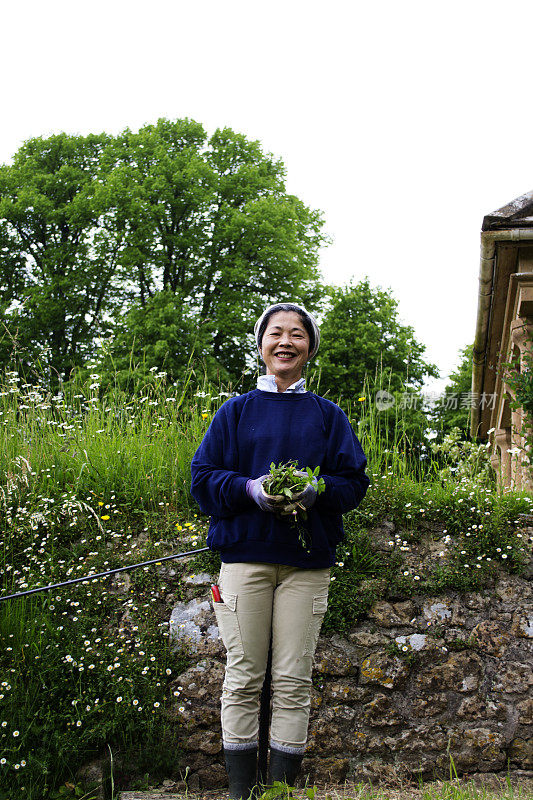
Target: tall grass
x=81 y=475
x=138 y=448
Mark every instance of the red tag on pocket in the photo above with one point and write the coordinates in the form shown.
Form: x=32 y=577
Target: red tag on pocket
x=215 y=591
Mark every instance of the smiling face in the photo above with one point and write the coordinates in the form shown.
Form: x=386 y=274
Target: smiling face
x=285 y=346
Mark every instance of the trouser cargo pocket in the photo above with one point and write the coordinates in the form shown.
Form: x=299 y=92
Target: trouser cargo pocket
x=228 y=623
x=320 y=606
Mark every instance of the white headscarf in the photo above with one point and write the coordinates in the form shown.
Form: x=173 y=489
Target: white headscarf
x=282 y=307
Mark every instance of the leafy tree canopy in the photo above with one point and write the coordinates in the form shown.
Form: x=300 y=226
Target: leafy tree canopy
x=161 y=338
x=361 y=335
x=63 y=244
x=104 y=224
x=364 y=350
x=453 y=408
x=209 y=220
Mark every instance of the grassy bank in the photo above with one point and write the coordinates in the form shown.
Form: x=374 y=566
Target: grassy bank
x=92 y=481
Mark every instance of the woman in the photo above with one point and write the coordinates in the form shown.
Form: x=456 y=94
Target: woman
x=270 y=585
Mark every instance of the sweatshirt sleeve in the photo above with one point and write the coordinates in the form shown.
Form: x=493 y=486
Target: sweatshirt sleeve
x=344 y=470
x=216 y=485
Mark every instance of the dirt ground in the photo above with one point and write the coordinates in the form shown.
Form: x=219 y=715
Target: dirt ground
x=490 y=786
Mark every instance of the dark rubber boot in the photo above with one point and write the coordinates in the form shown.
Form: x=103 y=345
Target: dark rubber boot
x=284 y=766
x=241 y=766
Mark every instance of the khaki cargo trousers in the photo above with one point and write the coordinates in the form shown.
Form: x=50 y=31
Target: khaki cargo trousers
x=259 y=600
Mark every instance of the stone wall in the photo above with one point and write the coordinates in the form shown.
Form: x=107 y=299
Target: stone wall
x=418 y=680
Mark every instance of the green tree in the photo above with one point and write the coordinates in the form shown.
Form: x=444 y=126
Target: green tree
x=365 y=350
x=56 y=221
x=104 y=224
x=13 y=281
x=160 y=336
x=210 y=221
x=453 y=407
x=361 y=335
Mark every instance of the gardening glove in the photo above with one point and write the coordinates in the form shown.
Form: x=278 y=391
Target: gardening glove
x=309 y=495
x=305 y=499
x=254 y=490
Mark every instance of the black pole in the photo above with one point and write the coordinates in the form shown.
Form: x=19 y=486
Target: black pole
x=101 y=574
x=264 y=721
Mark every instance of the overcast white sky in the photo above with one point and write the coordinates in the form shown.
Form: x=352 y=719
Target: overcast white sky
x=404 y=122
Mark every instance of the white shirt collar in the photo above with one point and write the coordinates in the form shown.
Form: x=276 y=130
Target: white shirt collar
x=267 y=383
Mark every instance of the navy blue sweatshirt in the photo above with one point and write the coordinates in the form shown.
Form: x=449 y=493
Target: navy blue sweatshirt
x=246 y=434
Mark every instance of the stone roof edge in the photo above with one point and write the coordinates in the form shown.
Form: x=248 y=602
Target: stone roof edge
x=516 y=214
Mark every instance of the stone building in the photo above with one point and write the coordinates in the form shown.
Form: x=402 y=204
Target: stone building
x=504 y=329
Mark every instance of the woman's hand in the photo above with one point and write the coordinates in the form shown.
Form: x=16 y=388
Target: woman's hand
x=306 y=498
x=255 y=491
